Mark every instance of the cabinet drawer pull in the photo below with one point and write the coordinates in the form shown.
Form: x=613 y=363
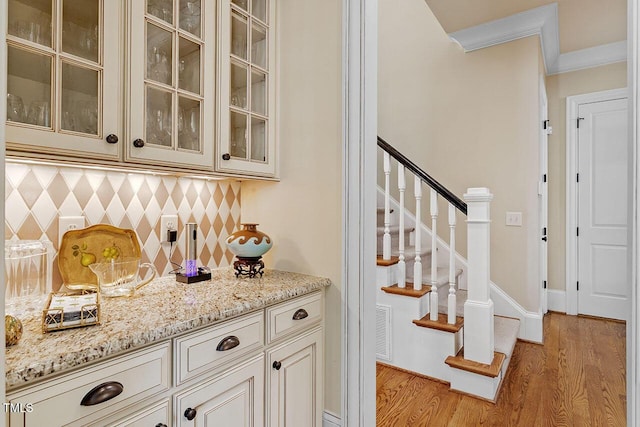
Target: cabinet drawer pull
x=277 y=365
x=226 y=156
x=228 y=343
x=300 y=314
x=102 y=393
x=190 y=413
x=161 y=425
x=112 y=139
x=138 y=143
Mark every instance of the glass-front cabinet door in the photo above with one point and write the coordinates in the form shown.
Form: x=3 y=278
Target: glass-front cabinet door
x=172 y=77
x=247 y=75
x=63 y=77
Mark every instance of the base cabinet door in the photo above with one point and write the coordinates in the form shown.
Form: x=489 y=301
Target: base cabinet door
x=295 y=382
x=233 y=399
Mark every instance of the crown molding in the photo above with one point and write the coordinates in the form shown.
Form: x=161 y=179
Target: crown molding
x=541 y=21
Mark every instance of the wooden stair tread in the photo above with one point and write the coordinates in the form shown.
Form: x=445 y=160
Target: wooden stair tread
x=386 y=262
x=408 y=291
x=440 y=324
x=493 y=370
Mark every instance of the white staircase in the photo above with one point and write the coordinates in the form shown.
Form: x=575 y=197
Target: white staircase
x=474 y=358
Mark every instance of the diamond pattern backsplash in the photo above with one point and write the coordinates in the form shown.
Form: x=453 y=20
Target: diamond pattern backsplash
x=37 y=195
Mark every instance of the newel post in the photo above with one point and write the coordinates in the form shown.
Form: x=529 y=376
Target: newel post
x=478 y=309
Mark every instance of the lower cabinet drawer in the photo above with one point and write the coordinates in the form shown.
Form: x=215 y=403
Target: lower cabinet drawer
x=157 y=414
x=206 y=351
x=293 y=316
x=94 y=392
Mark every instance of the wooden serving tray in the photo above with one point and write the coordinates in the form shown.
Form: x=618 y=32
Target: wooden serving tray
x=97 y=243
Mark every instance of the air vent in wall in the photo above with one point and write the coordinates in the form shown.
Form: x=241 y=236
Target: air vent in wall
x=383 y=332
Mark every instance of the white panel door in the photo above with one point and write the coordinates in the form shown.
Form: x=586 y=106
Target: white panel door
x=603 y=274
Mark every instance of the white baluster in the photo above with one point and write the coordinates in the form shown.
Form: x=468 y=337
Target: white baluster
x=434 y=255
x=402 y=267
x=479 y=341
x=451 y=300
x=386 y=239
x=417 y=266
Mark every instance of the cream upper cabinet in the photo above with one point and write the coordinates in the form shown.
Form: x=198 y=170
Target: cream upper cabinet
x=172 y=84
x=63 y=77
x=246 y=138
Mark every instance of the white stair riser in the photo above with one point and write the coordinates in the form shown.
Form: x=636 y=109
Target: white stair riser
x=475 y=384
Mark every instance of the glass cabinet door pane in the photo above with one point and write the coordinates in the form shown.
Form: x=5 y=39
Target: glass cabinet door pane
x=28 y=87
x=80 y=106
x=241 y=3
x=31 y=20
x=190 y=16
x=238 y=92
x=159 y=115
x=189 y=67
x=259 y=46
x=259 y=9
x=259 y=93
x=258 y=140
x=162 y=9
x=189 y=124
x=159 y=54
x=80 y=28
x=239 y=35
x=238 y=135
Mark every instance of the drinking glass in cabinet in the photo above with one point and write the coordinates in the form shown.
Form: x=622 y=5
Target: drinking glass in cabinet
x=190 y=17
x=39 y=113
x=189 y=124
x=189 y=66
x=259 y=93
x=238 y=85
x=258 y=139
x=238 y=146
x=259 y=9
x=28 y=83
x=80 y=106
x=31 y=20
x=159 y=123
x=15 y=108
x=159 y=54
x=162 y=9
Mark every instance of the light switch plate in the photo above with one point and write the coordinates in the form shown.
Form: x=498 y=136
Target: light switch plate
x=514 y=219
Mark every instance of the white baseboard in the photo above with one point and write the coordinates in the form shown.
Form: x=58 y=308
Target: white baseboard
x=557 y=300
x=329 y=419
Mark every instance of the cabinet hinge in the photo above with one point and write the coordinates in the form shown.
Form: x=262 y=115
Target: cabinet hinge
x=545 y=124
x=577 y=286
x=578 y=121
x=577 y=231
x=544 y=178
x=544 y=284
x=577 y=177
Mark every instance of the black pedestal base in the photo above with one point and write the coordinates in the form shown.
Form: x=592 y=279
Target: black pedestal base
x=249 y=267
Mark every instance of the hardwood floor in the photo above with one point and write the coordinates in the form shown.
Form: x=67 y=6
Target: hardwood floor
x=578 y=378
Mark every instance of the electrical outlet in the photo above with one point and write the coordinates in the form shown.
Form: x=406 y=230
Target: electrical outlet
x=66 y=223
x=167 y=222
x=514 y=219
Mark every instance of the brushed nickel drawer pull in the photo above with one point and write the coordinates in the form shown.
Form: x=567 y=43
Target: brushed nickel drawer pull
x=102 y=393
x=300 y=314
x=228 y=343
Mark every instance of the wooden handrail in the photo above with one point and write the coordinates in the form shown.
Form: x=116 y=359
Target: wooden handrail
x=425 y=177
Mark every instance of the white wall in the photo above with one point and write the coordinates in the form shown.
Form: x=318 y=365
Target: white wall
x=302 y=212
x=469 y=120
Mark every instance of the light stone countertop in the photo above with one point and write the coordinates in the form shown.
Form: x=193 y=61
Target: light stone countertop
x=162 y=309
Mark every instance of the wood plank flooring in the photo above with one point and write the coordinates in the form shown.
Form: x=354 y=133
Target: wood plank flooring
x=577 y=378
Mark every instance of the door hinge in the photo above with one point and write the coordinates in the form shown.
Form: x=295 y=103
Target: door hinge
x=544 y=284
x=578 y=121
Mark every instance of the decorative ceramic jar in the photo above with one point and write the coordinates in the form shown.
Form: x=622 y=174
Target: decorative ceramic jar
x=248 y=245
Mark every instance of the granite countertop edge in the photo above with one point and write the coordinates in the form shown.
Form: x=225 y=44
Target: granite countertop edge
x=28 y=362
